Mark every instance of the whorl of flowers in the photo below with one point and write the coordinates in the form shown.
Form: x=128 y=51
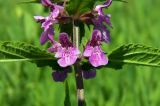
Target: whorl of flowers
x=65 y=51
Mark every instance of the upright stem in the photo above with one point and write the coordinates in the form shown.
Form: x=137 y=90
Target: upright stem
x=77 y=68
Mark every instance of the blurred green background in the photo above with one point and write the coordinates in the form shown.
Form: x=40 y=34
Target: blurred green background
x=23 y=84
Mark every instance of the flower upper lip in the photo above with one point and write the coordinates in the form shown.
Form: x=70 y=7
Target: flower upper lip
x=94 y=51
x=99 y=8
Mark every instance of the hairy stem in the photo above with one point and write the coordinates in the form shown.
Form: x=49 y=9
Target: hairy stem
x=78 y=71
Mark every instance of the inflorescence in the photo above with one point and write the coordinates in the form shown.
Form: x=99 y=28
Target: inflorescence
x=65 y=51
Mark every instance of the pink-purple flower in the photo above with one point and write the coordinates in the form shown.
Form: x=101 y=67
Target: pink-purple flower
x=47 y=25
x=65 y=51
x=99 y=25
x=99 y=21
x=61 y=75
x=89 y=74
x=94 y=52
x=49 y=21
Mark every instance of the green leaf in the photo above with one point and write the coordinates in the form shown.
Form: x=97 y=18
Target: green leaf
x=18 y=51
x=78 y=7
x=134 y=54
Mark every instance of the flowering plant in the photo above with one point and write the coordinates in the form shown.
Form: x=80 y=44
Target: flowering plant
x=69 y=52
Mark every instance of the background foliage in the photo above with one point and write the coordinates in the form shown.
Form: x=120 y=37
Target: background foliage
x=23 y=84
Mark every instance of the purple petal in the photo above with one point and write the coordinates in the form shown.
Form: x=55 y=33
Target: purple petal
x=88 y=51
x=98 y=58
x=60 y=52
x=55 y=47
x=68 y=56
x=74 y=51
x=95 y=41
x=108 y=3
x=39 y=18
x=47 y=35
x=52 y=49
x=105 y=35
x=59 y=76
x=89 y=74
x=66 y=52
x=44 y=37
x=105 y=18
x=100 y=7
x=50 y=20
x=59 y=9
x=96 y=38
x=67 y=61
x=55 y=13
x=64 y=40
x=50 y=34
x=47 y=24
